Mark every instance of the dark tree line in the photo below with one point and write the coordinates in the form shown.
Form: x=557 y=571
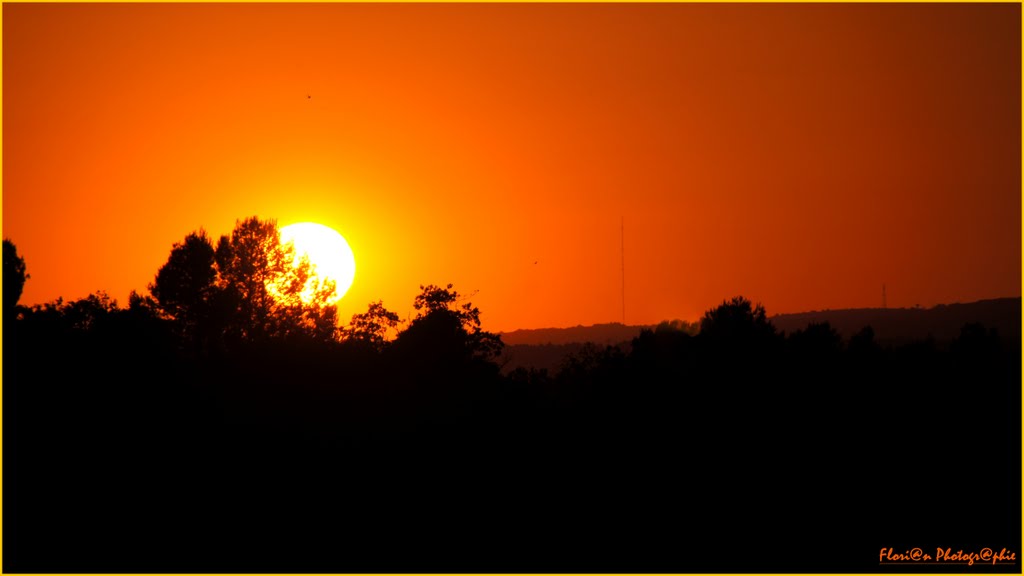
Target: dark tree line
x=222 y=423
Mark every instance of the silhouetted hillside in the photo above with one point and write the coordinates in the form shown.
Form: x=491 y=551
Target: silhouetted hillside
x=539 y=356
x=547 y=348
x=899 y=325
x=608 y=334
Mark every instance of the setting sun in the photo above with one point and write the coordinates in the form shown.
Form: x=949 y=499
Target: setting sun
x=328 y=252
x=772 y=242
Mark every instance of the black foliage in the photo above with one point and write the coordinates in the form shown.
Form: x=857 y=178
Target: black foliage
x=14 y=277
x=735 y=449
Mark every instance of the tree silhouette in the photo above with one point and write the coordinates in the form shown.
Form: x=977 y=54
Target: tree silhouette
x=453 y=324
x=863 y=342
x=266 y=292
x=89 y=313
x=185 y=287
x=818 y=339
x=737 y=321
x=14 y=276
x=250 y=288
x=249 y=260
x=976 y=340
x=691 y=328
x=372 y=327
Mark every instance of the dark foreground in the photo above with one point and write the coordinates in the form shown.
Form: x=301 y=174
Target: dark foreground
x=738 y=450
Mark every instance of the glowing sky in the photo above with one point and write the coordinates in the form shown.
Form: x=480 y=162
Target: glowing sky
x=799 y=155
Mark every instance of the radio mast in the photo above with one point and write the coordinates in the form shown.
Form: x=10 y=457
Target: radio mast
x=622 y=250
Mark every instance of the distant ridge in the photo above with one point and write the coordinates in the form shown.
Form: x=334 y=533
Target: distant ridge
x=609 y=334
x=942 y=322
x=547 y=347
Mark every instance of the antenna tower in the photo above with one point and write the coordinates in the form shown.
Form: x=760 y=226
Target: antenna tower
x=622 y=249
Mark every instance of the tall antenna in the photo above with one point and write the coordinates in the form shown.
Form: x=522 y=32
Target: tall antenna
x=622 y=248
x=883 y=297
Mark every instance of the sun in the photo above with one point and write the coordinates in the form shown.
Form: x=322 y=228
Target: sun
x=328 y=252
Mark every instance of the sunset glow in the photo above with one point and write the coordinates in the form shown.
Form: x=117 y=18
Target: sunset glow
x=800 y=155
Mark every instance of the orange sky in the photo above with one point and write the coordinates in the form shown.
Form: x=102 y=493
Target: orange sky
x=799 y=155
